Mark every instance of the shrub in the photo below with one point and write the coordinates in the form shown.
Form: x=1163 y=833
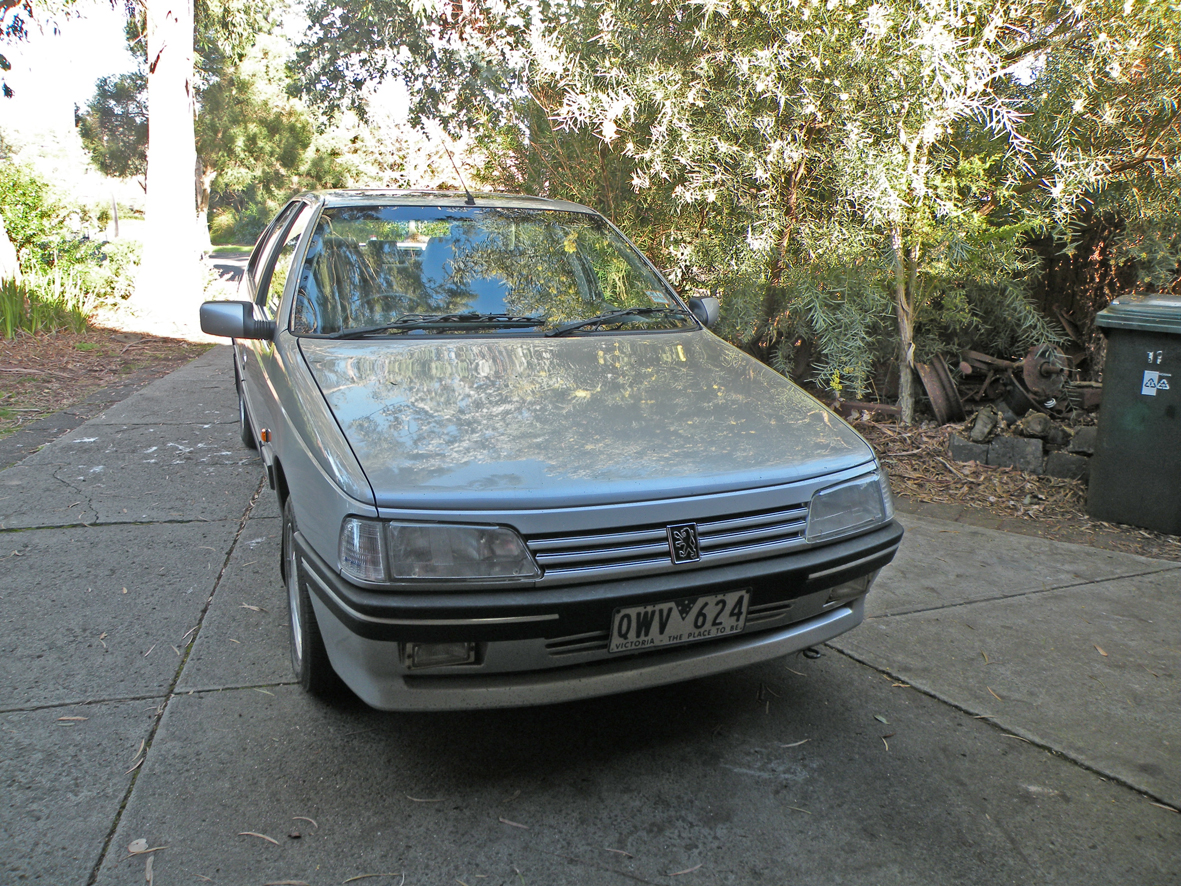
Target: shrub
x=65 y=274
x=43 y=302
x=227 y=225
x=110 y=277
x=32 y=215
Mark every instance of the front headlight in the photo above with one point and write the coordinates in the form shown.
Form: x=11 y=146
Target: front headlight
x=374 y=552
x=441 y=551
x=849 y=507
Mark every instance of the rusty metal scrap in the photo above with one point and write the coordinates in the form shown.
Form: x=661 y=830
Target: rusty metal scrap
x=1041 y=381
x=945 y=400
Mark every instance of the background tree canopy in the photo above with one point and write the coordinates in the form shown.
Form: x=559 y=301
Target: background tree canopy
x=862 y=182
x=255 y=144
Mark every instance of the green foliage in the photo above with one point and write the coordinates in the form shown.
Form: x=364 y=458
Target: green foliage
x=42 y=225
x=256 y=145
x=32 y=214
x=114 y=126
x=1152 y=245
x=63 y=274
x=43 y=302
x=857 y=180
x=110 y=276
x=263 y=147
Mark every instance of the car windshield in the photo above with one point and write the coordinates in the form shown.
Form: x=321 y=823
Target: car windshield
x=401 y=270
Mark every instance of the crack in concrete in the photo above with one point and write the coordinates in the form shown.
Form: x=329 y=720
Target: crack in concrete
x=1017 y=595
x=1013 y=731
x=171 y=692
x=79 y=703
x=258 y=687
x=124 y=426
x=120 y=699
x=85 y=495
x=113 y=524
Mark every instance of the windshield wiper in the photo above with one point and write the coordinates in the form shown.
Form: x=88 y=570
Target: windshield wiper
x=616 y=317
x=469 y=320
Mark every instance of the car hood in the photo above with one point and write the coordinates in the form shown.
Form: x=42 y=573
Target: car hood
x=472 y=423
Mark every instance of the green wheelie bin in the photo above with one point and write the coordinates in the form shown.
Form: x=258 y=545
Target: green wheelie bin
x=1136 y=468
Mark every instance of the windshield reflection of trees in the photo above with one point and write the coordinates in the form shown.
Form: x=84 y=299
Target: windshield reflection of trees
x=364 y=268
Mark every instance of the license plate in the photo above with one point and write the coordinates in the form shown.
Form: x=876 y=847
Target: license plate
x=678 y=621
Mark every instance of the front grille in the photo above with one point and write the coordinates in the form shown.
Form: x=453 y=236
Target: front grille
x=642 y=550
x=578 y=643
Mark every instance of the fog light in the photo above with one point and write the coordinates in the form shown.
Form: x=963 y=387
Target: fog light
x=850 y=590
x=438 y=655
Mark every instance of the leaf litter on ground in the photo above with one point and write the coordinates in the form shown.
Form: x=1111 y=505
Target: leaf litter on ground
x=920 y=469
x=260 y=836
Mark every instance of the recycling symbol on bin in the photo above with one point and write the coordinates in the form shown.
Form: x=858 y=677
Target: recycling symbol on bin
x=1155 y=381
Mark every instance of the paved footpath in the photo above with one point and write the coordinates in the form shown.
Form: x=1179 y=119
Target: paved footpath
x=1009 y=713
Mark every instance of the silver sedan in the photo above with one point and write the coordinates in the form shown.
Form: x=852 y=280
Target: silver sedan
x=515 y=467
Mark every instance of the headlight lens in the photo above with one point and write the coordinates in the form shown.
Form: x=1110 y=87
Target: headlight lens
x=423 y=550
x=844 y=509
x=374 y=551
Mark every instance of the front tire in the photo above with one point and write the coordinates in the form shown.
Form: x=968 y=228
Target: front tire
x=309 y=658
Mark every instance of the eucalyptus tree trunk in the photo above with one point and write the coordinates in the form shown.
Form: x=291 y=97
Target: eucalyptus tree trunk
x=169 y=269
x=905 y=283
x=204 y=184
x=10 y=268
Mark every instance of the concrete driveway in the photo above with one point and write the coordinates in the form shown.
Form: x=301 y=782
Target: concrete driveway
x=1010 y=713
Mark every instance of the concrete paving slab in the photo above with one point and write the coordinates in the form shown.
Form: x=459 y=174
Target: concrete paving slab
x=33 y=497
x=830 y=775
x=243 y=638
x=200 y=392
x=805 y=771
x=33 y=436
x=210 y=483
x=267 y=505
x=69 y=633
x=941 y=563
x=151 y=447
x=1093 y=671
x=64 y=773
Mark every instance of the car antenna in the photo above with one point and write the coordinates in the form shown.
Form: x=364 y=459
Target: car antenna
x=470 y=201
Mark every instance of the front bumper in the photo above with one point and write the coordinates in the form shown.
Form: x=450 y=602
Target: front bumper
x=544 y=646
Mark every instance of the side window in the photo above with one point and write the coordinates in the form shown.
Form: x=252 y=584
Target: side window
x=284 y=259
x=258 y=264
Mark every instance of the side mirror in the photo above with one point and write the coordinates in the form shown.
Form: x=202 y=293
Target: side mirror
x=706 y=309
x=234 y=319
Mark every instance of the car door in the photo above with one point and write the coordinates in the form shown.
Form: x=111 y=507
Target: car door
x=268 y=282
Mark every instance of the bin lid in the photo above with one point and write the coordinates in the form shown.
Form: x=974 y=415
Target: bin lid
x=1147 y=313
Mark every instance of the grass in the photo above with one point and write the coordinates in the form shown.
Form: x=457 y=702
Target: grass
x=40 y=303
x=231 y=250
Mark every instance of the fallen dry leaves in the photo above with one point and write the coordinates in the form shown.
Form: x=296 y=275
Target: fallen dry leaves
x=922 y=470
x=45 y=373
x=260 y=836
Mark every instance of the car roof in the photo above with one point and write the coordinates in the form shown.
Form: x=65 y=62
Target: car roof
x=397 y=197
